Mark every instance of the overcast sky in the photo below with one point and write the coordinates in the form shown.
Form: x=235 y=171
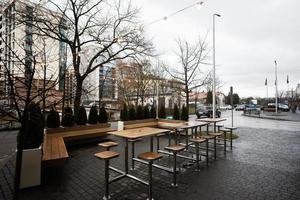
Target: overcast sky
x=250 y=35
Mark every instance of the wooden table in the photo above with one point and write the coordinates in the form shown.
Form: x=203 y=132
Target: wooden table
x=137 y=133
x=193 y=125
x=212 y=120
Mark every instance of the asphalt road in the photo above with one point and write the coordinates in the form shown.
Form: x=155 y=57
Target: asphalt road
x=242 y=121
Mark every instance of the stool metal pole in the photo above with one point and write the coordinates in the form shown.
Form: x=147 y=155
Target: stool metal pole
x=174 y=184
x=150 y=181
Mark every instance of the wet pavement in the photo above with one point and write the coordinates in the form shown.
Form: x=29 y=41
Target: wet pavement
x=264 y=164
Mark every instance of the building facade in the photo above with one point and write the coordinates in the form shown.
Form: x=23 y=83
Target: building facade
x=19 y=42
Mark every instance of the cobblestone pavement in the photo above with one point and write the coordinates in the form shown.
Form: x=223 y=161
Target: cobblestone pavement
x=264 y=164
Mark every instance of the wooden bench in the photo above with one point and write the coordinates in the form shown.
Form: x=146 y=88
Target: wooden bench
x=54 y=148
x=147 y=123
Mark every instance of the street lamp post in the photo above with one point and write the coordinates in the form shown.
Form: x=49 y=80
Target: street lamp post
x=214 y=67
x=276 y=86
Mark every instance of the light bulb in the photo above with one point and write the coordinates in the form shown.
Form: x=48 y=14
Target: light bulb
x=199 y=5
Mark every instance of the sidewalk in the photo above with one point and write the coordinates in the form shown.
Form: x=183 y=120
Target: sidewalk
x=264 y=168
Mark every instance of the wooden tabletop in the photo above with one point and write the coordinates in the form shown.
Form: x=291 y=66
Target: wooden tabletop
x=183 y=125
x=211 y=120
x=169 y=125
x=138 y=132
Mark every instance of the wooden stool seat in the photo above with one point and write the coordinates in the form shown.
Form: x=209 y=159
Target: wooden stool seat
x=134 y=139
x=161 y=134
x=150 y=156
x=208 y=137
x=230 y=127
x=224 y=130
x=175 y=147
x=198 y=140
x=108 y=144
x=215 y=134
x=106 y=155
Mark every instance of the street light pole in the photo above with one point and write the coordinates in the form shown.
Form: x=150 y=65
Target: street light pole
x=276 y=87
x=214 y=68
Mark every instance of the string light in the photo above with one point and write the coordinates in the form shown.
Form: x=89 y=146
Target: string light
x=198 y=4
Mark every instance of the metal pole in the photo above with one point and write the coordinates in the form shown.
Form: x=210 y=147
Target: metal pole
x=214 y=68
x=276 y=92
x=231 y=102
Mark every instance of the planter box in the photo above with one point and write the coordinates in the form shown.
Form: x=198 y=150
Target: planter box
x=118 y=125
x=31 y=168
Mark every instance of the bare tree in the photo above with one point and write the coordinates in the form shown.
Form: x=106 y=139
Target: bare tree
x=24 y=87
x=112 y=29
x=190 y=57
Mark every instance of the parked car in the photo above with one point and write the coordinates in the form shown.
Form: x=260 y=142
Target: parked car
x=240 y=107
x=226 y=107
x=207 y=111
x=281 y=107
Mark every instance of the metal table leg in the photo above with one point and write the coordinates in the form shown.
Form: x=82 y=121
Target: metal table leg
x=126 y=156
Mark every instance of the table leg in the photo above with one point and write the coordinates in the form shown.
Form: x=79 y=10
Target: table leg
x=151 y=144
x=231 y=139
x=207 y=129
x=187 y=138
x=225 y=141
x=215 y=126
x=126 y=156
x=215 y=146
x=176 y=136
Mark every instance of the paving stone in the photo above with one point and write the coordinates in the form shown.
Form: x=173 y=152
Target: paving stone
x=264 y=164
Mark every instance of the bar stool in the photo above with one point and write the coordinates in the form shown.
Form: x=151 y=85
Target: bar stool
x=216 y=135
x=231 y=128
x=175 y=149
x=211 y=137
x=133 y=141
x=157 y=140
x=108 y=145
x=106 y=156
x=150 y=157
x=225 y=131
x=198 y=141
x=219 y=126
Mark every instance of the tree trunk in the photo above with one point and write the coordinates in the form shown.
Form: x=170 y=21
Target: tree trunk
x=187 y=100
x=78 y=93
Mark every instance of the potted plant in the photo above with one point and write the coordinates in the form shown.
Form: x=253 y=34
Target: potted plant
x=176 y=112
x=53 y=119
x=184 y=113
x=103 y=117
x=33 y=134
x=81 y=117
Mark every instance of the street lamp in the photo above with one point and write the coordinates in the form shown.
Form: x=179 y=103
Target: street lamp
x=214 y=67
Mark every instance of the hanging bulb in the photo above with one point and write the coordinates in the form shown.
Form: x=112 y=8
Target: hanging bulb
x=199 y=5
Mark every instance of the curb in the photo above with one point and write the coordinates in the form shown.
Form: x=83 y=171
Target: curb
x=279 y=119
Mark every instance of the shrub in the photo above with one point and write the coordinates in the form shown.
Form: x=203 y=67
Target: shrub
x=184 y=113
x=139 y=112
x=53 y=120
x=33 y=129
x=153 y=112
x=68 y=120
x=146 y=112
x=132 y=114
x=124 y=113
x=93 y=115
x=103 y=117
x=162 y=112
x=81 y=118
x=68 y=110
x=176 y=112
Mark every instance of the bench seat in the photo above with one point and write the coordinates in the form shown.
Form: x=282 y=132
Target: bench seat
x=54 y=148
